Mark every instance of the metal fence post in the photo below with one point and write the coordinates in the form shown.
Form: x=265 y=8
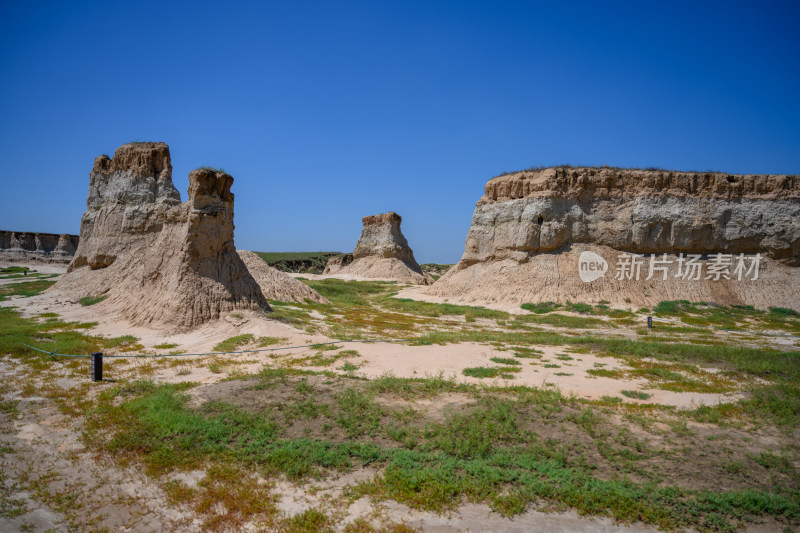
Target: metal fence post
x=97 y=366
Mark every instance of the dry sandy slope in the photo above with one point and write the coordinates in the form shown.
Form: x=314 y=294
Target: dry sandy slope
x=381 y=269
x=554 y=277
x=277 y=285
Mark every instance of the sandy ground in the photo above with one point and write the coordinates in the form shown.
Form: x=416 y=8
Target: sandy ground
x=49 y=443
x=377 y=358
x=419 y=293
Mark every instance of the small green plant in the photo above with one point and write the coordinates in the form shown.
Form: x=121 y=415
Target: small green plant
x=505 y=361
x=783 y=311
x=269 y=341
x=165 y=346
x=636 y=395
x=611 y=399
x=125 y=343
x=91 y=300
x=540 y=308
x=349 y=367
x=604 y=373
x=481 y=372
x=230 y=344
x=579 y=308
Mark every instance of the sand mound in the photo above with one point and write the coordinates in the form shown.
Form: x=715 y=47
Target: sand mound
x=382 y=253
x=277 y=285
x=555 y=277
x=154 y=259
x=530 y=228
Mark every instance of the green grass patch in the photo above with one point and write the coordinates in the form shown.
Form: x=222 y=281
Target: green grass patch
x=28 y=288
x=783 y=311
x=636 y=395
x=232 y=343
x=505 y=361
x=605 y=373
x=541 y=307
x=91 y=300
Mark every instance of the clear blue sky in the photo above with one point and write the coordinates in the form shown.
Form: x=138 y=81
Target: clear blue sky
x=325 y=112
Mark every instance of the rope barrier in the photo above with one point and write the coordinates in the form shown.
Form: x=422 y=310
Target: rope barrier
x=222 y=353
x=729 y=330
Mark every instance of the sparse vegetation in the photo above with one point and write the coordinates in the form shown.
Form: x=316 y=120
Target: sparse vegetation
x=514 y=447
x=232 y=343
x=91 y=300
x=636 y=395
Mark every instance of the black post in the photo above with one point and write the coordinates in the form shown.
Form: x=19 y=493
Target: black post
x=649 y=322
x=97 y=366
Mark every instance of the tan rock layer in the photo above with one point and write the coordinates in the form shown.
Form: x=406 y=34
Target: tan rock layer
x=583 y=183
x=526 y=213
x=525 y=225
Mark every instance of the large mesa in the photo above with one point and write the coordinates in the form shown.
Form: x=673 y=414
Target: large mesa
x=530 y=228
x=23 y=246
x=382 y=252
x=154 y=259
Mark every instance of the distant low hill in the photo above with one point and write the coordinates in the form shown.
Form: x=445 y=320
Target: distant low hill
x=435 y=270
x=314 y=262
x=303 y=262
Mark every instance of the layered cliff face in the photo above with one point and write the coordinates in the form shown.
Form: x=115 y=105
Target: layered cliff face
x=382 y=252
x=157 y=260
x=37 y=247
x=529 y=228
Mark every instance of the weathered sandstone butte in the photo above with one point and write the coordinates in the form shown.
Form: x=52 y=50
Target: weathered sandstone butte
x=530 y=227
x=382 y=253
x=156 y=260
x=17 y=246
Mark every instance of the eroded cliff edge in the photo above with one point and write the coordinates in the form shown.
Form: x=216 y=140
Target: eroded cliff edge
x=23 y=246
x=529 y=227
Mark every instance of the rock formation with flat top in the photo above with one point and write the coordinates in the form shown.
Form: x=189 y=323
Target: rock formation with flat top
x=156 y=260
x=530 y=227
x=17 y=246
x=382 y=252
